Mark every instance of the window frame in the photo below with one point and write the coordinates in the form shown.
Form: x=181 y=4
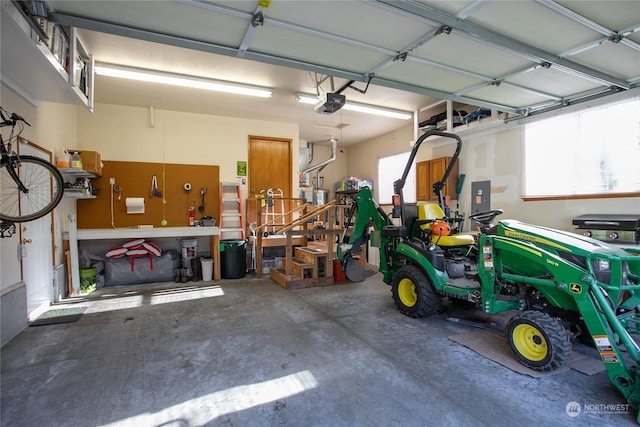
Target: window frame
x=575 y=113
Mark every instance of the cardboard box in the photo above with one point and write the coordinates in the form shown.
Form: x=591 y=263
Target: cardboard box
x=90 y=161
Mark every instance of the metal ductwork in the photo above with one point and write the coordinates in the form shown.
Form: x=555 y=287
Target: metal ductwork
x=320 y=166
x=310 y=156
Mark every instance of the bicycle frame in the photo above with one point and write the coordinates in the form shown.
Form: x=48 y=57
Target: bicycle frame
x=12 y=161
x=31 y=186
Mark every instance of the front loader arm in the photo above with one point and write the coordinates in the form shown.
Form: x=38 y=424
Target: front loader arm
x=568 y=286
x=604 y=326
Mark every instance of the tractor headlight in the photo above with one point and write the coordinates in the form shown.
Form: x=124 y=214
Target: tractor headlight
x=602 y=269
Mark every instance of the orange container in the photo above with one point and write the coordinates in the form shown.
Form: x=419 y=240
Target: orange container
x=64 y=158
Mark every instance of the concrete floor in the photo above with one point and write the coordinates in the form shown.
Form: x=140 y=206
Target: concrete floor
x=249 y=353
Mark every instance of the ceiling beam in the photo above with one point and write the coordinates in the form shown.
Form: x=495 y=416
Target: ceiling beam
x=595 y=97
x=448 y=96
x=471 y=9
x=393 y=56
x=609 y=34
x=490 y=37
x=183 y=42
x=402 y=53
x=141 y=34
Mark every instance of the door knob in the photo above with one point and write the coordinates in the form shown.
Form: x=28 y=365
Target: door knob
x=25 y=241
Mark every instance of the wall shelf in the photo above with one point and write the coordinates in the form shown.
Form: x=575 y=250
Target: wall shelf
x=447 y=109
x=72 y=175
x=38 y=69
x=76 y=193
x=75 y=173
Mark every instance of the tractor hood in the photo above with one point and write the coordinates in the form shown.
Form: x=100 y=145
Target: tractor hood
x=555 y=240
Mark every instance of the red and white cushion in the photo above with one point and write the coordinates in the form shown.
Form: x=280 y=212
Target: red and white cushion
x=152 y=248
x=116 y=252
x=133 y=243
x=137 y=252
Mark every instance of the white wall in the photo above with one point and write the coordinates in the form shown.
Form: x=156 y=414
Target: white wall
x=122 y=133
x=498 y=157
x=362 y=161
x=495 y=156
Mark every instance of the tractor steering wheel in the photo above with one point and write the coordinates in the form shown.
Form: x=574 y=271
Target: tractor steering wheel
x=486 y=217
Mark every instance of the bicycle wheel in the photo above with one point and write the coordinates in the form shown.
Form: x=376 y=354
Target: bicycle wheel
x=44 y=185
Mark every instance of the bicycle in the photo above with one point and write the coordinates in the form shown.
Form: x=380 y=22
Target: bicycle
x=30 y=187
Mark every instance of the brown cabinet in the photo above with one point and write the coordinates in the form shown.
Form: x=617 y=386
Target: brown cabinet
x=423 y=188
x=429 y=172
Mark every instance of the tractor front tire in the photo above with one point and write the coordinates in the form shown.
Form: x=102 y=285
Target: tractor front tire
x=538 y=340
x=413 y=294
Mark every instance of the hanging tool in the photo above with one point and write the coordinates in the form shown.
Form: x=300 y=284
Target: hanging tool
x=203 y=191
x=154 y=188
x=156 y=191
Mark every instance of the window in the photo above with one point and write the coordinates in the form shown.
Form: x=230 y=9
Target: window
x=592 y=152
x=390 y=169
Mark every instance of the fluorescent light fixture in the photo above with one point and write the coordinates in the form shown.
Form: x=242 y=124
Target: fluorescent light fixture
x=362 y=108
x=152 y=76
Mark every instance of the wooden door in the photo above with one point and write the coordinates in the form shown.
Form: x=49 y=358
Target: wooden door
x=270 y=161
x=269 y=165
x=37 y=254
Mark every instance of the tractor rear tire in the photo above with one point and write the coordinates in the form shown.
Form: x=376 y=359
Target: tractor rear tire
x=413 y=293
x=538 y=341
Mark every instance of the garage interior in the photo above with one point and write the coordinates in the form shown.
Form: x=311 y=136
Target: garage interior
x=252 y=344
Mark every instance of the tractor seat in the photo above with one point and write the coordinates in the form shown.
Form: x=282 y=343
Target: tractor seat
x=431 y=212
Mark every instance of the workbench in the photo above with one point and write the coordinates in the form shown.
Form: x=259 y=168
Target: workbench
x=75 y=235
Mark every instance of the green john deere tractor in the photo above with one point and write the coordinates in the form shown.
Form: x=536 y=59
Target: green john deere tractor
x=555 y=284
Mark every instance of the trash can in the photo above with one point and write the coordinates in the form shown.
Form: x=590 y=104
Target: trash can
x=233 y=258
x=207 y=268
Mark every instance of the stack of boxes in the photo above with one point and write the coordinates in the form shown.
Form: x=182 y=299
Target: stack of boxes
x=90 y=161
x=353 y=184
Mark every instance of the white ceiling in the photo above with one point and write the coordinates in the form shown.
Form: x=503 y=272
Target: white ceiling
x=522 y=57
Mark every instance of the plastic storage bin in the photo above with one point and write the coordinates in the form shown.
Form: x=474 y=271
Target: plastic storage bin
x=233 y=258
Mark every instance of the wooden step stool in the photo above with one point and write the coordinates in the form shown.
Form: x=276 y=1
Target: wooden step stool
x=309 y=267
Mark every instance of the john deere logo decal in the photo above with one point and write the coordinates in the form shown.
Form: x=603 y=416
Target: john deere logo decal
x=575 y=288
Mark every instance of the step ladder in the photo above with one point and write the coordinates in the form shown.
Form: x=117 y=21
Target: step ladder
x=231 y=218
